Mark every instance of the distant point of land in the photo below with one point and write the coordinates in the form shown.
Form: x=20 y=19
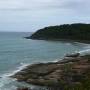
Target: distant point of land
x=77 y=31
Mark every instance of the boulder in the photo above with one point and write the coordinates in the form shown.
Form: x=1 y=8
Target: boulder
x=73 y=55
x=23 y=88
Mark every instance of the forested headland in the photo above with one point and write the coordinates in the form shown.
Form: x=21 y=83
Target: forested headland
x=76 y=31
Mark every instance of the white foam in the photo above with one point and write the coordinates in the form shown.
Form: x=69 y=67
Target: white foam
x=4 y=79
x=85 y=52
x=56 y=60
x=22 y=65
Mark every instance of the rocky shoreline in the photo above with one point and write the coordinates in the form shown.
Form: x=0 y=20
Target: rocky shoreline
x=72 y=71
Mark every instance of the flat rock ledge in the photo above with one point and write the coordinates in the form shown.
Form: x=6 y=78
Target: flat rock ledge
x=71 y=70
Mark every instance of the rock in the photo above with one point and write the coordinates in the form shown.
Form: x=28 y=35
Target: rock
x=56 y=74
x=23 y=89
x=73 y=55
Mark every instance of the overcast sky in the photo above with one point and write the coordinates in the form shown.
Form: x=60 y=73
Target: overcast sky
x=31 y=15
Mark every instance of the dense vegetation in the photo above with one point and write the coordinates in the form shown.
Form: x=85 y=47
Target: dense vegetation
x=67 y=31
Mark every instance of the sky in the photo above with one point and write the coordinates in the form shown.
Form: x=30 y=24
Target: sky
x=31 y=15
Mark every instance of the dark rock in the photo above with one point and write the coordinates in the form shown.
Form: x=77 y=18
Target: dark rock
x=23 y=89
x=73 y=55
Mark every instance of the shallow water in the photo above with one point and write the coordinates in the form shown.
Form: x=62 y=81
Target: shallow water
x=16 y=52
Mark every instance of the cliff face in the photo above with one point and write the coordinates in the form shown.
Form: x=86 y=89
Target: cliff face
x=71 y=73
x=66 y=31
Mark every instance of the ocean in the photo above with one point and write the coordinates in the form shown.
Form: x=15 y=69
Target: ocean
x=16 y=52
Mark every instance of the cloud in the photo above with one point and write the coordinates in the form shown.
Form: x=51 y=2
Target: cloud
x=20 y=15
x=77 y=6
x=40 y=4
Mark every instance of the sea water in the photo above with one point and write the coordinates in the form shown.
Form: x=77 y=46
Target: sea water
x=16 y=52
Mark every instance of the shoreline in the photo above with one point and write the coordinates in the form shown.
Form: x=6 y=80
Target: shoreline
x=10 y=73
x=7 y=76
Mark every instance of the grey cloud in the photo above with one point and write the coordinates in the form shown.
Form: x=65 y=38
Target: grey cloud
x=40 y=4
x=20 y=15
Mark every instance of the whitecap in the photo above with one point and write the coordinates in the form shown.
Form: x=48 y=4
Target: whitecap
x=5 y=80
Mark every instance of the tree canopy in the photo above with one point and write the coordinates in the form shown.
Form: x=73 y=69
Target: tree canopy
x=76 y=31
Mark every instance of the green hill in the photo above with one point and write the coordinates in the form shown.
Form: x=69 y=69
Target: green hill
x=76 y=31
